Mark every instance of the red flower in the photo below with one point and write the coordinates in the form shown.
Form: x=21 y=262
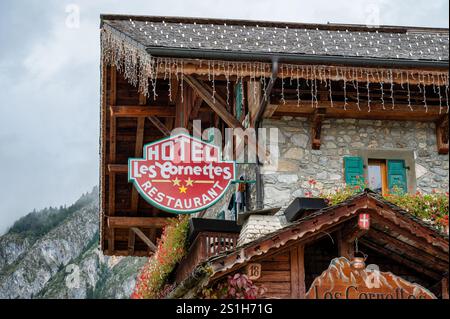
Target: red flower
x=312 y=182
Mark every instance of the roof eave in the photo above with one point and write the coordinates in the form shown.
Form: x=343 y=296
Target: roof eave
x=295 y=58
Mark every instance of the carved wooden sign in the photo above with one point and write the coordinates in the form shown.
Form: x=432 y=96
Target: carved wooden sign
x=253 y=271
x=342 y=281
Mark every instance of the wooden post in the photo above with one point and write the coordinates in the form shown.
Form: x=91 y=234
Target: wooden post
x=301 y=272
x=295 y=292
x=253 y=99
x=316 y=128
x=112 y=157
x=442 y=135
x=345 y=248
x=298 y=288
x=444 y=283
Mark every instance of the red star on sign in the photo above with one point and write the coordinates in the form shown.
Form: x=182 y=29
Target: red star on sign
x=364 y=221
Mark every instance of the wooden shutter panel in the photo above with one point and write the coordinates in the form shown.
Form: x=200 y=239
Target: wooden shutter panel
x=354 y=170
x=397 y=175
x=238 y=100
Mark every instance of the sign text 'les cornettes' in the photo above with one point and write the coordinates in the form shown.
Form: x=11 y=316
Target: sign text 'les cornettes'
x=181 y=174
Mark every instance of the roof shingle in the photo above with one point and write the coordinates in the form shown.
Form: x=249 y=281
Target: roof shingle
x=265 y=37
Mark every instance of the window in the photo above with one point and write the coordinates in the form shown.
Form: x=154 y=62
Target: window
x=381 y=175
x=377 y=176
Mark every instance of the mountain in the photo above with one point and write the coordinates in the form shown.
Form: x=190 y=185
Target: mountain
x=54 y=253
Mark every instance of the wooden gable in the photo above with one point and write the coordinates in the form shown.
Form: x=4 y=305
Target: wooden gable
x=293 y=257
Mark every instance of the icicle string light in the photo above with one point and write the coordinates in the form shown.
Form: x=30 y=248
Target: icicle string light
x=142 y=70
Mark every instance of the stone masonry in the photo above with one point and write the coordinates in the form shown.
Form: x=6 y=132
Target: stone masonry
x=298 y=163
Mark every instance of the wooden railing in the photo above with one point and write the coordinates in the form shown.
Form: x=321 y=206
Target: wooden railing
x=205 y=245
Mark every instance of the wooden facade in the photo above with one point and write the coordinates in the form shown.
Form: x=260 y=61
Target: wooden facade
x=181 y=89
x=293 y=257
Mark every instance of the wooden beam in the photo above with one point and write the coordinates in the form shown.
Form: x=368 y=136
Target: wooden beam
x=411 y=251
x=131 y=241
x=270 y=110
x=442 y=137
x=159 y=125
x=295 y=292
x=316 y=128
x=418 y=234
x=199 y=67
x=112 y=157
x=145 y=239
x=402 y=260
x=301 y=271
x=103 y=161
x=142 y=222
x=217 y=103
x=111 y=240
x=345 y=248
x=112 y=141
x=117 y=168
x=352 y=232
x=142 y=111
x=253 y=99
x=152 y=237
x=350 y=110
x=444 y=283
x=138 y=153
x=196 y=108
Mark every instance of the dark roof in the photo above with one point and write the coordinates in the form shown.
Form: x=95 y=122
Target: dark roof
x=328 y=210
x=238 y=36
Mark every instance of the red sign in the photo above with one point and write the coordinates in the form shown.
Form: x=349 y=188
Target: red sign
x=181 y=174
x=364 y=221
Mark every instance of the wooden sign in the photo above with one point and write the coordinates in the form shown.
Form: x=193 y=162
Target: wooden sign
x=253 y=271
x=342 y=281
x=181 y=174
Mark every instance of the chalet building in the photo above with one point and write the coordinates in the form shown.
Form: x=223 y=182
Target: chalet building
x=349 y=103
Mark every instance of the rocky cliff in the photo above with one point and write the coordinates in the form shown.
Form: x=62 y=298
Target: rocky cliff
x=54 y=253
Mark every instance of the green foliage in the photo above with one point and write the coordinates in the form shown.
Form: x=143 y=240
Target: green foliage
x=152 y=281
x=39 y=223
x=432 y=208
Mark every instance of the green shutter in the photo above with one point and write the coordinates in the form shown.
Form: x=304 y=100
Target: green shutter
x=354 y=170
x=238 y=100
x=397 y=175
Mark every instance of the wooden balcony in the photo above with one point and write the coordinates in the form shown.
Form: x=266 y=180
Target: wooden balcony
x=204 y=246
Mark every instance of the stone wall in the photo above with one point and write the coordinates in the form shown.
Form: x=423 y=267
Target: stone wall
x=257 y=226
x=298 y=163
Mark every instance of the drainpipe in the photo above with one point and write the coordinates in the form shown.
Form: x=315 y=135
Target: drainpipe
x=258 y=120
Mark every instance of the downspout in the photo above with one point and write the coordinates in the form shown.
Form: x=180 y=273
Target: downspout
x=258 y=120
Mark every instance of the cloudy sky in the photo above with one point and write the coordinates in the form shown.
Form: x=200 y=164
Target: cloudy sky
x=49 y=80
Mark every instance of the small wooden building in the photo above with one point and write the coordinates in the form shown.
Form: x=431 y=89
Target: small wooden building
x=289 y=260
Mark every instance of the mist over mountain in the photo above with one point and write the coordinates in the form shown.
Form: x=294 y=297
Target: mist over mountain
x=54 y=253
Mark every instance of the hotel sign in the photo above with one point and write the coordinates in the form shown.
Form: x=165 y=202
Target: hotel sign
x=181 y=174
x=342 y=281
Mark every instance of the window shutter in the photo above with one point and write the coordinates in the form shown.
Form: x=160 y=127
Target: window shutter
x=397 y=175
x=354 y=170
x=239 y=100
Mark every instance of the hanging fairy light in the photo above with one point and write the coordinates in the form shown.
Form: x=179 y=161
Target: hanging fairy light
x=143 y=70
